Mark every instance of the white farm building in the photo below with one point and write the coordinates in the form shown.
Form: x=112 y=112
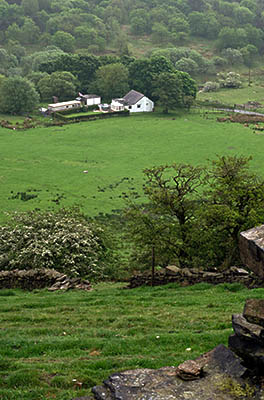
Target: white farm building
x=64 y=105
x=134 y=102
x=85 y=100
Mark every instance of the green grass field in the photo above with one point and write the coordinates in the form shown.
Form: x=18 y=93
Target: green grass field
x=49 y=163
x=237 y=96
x=49 y=339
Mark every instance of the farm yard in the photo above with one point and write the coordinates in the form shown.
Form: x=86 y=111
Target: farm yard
x=95 y=164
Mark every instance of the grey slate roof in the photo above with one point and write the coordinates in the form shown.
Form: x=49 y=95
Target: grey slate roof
x=90 y=96
x=121 y=101
x=133 y=97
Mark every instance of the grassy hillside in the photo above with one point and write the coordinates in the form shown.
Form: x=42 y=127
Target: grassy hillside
x=48 y=164
x=242 y=95
x=48 y=340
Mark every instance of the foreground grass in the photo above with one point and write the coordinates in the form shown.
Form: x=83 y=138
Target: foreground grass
x=49 y=339
x=93 y=164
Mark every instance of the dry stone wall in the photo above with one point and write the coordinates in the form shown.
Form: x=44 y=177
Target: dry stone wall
x=191 y=276
x=39 y=279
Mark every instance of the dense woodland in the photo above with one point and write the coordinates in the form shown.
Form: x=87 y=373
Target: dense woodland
x=40 y=37
x=96 y=25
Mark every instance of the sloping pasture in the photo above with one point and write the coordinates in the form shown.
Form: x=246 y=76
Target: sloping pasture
x=50 y=341
x=93 y=164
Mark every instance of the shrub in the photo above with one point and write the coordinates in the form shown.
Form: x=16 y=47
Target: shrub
x=64 y=240
x=229 y=80
x=211 y=86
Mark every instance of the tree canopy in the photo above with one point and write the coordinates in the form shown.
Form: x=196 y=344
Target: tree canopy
x=111 y=81
x=61 y=84
x=96 y=25
x=174 y=90
x=194 y=214
x=17 y=95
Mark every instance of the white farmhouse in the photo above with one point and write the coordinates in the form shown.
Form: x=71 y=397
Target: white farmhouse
x=134 y=102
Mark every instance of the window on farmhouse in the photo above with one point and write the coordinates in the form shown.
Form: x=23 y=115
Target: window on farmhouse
x=139 y=105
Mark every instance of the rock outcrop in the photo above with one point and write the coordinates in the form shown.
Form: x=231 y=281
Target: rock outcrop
x=232 y=373
x=39 y=279
x=217 y=375
x=251 y=246
x=248 y=340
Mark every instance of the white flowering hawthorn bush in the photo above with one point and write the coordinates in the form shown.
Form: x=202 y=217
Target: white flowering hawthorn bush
x=211 y=86
x=63 y=240
x=229 y=80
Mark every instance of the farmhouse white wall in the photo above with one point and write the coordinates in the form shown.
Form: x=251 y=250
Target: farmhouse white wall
x=143 y=105
x=93 y=101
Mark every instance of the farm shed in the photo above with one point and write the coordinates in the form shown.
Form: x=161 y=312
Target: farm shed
x=67 y=105
x=89 y=99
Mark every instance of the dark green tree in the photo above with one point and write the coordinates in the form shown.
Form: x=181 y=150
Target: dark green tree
x=160 y=33
x=112 y=81
x=153 y=235
x=30 y=7
x=186 y=65
x=29 y=32
x=235 y=202
x=161 y=228
x=174 y=90
x=232 y=37
x=82 y=66
x=142 y=73
x=249 y=54
x=17 y=96
x=61 y=84
x=13 y=32
x=196 y=214
x=64 y=41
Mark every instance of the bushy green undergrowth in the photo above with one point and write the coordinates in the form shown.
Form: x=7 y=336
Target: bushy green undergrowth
x=47 y=340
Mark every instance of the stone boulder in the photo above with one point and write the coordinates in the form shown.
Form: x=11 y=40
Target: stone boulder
x=248 y=340
x=254 y=311
x=211 y=377
x=251 y=246
x=223 y=373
